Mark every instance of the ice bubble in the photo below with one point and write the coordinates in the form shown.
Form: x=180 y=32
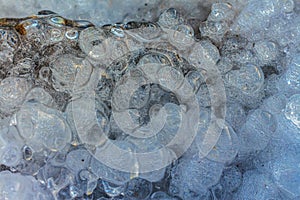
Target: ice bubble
x=257 y=131
x=145 y=32
x=249 y=79
x=192 y=178
x=78 y=160
x=226 y=147
x=257 y=186
x=266 y=51
x=9 y=43
x=235 y=115
x=221 y=12
x=292 y=110
x=91 y=42
x=43 y=127
x=12 y=93
x=17 y=186
x=69 y=72
x=138 y=188
x=182 y=36
x=214 y=30
x=170 y=18
x=40 y=95
x=293 y=73
x=10 y=155
x=162 y=196
x=231 y=178
x=286 y=171
x=111 y=189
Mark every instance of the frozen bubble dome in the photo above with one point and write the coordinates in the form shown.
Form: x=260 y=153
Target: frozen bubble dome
x=150 y=100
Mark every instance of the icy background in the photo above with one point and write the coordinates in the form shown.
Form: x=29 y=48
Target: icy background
x=48 y=153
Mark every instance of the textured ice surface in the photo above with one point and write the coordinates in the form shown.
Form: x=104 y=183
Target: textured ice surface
x=164 y=100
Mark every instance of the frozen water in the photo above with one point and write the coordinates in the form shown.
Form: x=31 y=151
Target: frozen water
x=12 y=93
x=43 y=127
x=226 y=147
x=88 y=109
x=138 y=188
x=17 y=186
x=257 y=131
x=266 y=51
x=192 y=178
x=292 y=110
x=231 y=178
x=286 y=171
x=257 y=186
x=248 y=79
x=292 y=75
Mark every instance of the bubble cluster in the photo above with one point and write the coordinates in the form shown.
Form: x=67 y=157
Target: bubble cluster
x=201 y=102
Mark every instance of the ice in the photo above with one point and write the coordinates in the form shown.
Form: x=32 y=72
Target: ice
x=111 y=189
x=10 y=155
x=266 y=51
x=167 y=100
x=182 y=36
x=231 y=178
x=43 y=127
x=292 y=75
x=257 y=131
x=12 y=93
x=192 y=178
x=64 y=73
x=90 y=41
x=162 y=196
x=170 y=18
x=17 y=186
x=78 y=160
x=248 y=79
x=40 y=95
x=235 y=115
x=138 y=188
x=226 y=147
x=257 y=186
x=292 y=109
x=286 y=171
x=9 y=43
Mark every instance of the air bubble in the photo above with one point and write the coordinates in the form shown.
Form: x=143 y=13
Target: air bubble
x=72 y=34
x=118 y=32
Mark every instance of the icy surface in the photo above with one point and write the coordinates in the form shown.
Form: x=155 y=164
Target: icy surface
x=153 y=100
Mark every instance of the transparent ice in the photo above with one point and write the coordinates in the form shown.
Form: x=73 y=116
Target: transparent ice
x=88 y=93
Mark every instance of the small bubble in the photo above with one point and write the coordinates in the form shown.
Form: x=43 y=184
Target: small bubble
x=72 y=34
